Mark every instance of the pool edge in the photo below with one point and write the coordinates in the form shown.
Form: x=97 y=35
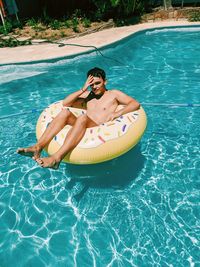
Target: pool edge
x=22 y=54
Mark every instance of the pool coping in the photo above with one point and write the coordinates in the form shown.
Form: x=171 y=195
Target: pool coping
x=48 y=51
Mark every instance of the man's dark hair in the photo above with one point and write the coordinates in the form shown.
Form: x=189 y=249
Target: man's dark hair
x=97 y=72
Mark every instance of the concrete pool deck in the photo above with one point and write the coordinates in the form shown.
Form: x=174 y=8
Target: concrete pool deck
x=46 y=51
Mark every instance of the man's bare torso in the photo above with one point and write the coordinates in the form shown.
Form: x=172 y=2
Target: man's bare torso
x=100 y=110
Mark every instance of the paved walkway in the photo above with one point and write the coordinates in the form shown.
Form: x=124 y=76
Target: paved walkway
x=98 y=39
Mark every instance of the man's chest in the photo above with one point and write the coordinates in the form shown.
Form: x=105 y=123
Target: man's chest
x=105 y=102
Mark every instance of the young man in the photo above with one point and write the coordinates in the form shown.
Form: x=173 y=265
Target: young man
x=101 y=106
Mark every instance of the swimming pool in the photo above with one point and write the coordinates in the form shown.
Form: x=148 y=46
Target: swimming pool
x=141 y=209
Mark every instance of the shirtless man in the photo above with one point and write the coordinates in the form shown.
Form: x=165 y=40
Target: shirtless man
x=101 y=107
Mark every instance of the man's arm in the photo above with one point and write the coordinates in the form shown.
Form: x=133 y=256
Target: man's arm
x=83 y=93
x=130 y=104
x=70 y=99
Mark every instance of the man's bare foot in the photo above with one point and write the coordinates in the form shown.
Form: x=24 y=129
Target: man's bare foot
x=49 y=162
x=31 y=151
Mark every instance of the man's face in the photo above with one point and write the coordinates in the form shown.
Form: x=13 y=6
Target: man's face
x=98 y=85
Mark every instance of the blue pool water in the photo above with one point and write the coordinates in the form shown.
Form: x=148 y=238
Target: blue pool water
x=141 y=209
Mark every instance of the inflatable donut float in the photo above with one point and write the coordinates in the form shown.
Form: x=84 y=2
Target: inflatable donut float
x=101 y=143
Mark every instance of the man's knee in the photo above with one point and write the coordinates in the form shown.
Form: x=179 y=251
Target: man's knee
x=65 y=113
x=66 y=116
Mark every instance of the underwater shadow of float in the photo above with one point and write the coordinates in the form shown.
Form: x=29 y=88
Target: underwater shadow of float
x=116 y=173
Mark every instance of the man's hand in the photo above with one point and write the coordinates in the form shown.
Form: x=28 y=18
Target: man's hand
x=72 y=98
x=115 y=115
x=87 y=83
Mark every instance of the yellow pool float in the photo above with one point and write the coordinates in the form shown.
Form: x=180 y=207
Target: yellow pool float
x=101 y=143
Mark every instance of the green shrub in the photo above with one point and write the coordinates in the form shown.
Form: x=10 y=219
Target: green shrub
x=86 y=22
x=75 y=24
x=31 y=22
x=8 y=26
x=127 y=21
x=12 y=42
x=101 y=9
x=62 y=33
x=194 y=16
x=117 y=9
x=35 y=24
x=2 y=30
x=55 y=24
x=16 y=24
x=67 y=23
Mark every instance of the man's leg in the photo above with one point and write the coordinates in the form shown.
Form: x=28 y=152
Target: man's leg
x=63 y=118
x=72 y=139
